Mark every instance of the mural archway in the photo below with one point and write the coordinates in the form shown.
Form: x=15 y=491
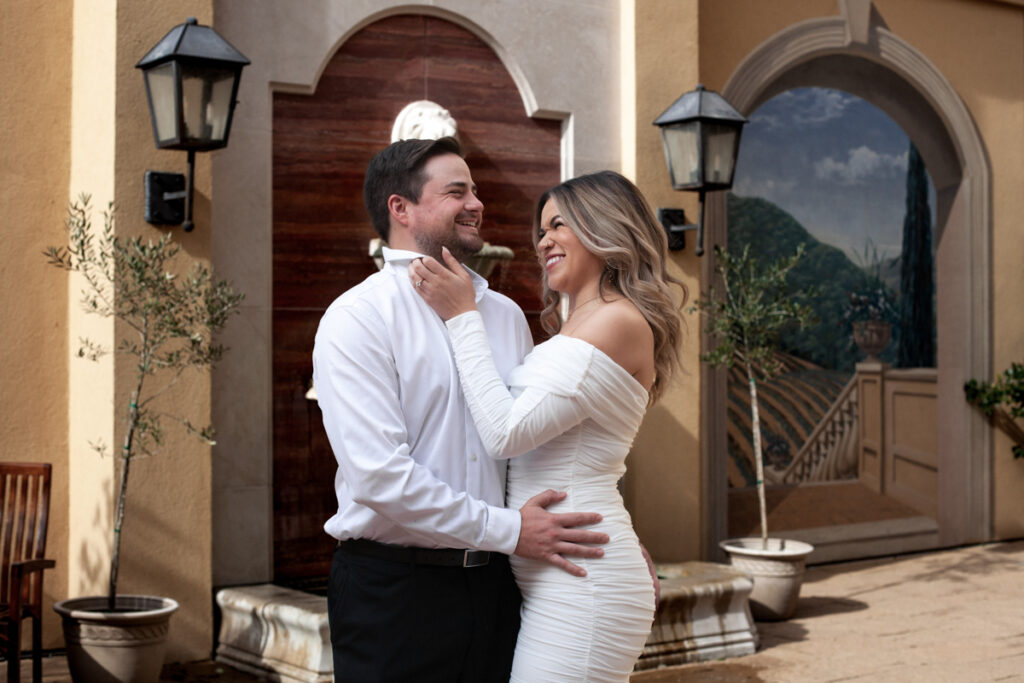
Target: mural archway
x=867 y=60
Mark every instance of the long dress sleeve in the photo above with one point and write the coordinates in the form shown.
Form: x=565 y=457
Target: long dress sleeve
x=511 y=425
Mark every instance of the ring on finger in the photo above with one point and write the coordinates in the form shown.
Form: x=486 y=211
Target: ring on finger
x=419 y=283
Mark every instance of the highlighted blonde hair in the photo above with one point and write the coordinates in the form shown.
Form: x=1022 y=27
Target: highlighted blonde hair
x=612 y=220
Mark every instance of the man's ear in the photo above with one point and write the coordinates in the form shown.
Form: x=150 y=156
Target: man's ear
x=398 y=207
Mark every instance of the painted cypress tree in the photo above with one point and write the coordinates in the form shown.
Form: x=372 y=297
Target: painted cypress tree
x=916 y=337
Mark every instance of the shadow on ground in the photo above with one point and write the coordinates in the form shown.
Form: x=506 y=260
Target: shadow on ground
x=809 y=608
x=724 y=671
x=204 y=672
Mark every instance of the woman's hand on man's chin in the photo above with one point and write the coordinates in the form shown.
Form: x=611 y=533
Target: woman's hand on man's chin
x=447 y=288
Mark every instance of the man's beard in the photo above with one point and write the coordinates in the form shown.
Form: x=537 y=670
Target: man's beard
x=460 y=248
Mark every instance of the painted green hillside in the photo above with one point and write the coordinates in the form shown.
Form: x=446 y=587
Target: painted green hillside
x=772 y=233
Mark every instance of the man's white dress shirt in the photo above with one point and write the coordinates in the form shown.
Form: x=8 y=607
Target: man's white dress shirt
x=411 y=467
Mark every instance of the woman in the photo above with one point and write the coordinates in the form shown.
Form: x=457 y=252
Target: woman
x=572 y=411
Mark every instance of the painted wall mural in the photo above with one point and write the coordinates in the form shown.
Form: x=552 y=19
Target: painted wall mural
x=828 y=169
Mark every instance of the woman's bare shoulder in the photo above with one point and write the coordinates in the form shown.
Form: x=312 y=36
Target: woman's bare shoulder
x=620 y=330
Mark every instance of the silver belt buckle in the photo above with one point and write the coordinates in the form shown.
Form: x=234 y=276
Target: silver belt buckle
x=475 y=558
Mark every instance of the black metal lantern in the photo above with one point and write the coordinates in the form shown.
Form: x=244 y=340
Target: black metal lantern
x=701 y=136
x=191 y=78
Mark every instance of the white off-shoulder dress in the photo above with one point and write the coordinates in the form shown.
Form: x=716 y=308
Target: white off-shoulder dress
x=570 y=415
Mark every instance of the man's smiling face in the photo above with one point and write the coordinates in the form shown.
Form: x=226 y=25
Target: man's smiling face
x=448 y=213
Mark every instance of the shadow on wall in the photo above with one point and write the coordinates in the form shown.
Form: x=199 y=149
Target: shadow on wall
x=662 y=487
x=93 y=565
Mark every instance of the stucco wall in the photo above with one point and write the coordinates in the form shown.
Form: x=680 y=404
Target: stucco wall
x=977 y=46
x=663 y=486
x=34 y=166
x=167 y=537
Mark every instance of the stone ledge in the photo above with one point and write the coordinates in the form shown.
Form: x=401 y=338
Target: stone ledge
x=844 y=542
x=703 y=614
x=277 y=633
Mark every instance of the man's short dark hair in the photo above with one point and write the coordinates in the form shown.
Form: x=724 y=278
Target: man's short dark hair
x=398 y=169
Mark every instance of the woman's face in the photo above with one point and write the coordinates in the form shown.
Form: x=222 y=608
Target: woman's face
x=569 y=265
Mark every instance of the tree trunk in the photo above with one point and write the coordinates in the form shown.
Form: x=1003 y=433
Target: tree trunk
x=122 y=491
x=758 y=458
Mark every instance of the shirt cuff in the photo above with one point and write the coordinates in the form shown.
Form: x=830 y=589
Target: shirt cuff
x=503 y=526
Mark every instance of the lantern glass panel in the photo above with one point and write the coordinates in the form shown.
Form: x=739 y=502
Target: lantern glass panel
x=206 y=102
x=720 y=148
x=682 y=152
x=160 y=83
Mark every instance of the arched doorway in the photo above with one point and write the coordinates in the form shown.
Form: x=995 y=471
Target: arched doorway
x=874 y=64
x=321 y=146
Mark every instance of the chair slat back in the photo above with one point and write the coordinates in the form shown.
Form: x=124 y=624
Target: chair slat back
x=24 y=511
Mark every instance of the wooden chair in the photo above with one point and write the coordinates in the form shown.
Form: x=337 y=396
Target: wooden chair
x=24 y=513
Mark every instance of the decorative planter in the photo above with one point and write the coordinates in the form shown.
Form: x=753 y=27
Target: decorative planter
x=123 y=646
x=872 y=336
x=778 y=572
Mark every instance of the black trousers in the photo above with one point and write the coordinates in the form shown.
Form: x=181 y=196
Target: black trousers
x=394 y=621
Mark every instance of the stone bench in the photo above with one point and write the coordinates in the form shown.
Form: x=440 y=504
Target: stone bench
x=703 y=614
x=282 y=634
x=276 y=633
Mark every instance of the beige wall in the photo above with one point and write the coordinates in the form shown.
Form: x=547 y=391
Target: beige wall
x=165 y=546
x=34 y=168
x=977 y=46
x=167 y=536
x=663 y=487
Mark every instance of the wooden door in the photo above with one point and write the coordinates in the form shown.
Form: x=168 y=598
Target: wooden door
x=321 y=146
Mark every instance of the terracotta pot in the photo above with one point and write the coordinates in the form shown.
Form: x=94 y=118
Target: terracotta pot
x=125 y=646
x=778 y=573
x=872 y=336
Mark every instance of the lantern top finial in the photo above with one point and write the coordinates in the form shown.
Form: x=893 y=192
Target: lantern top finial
x=192 y=41
x=700 y=103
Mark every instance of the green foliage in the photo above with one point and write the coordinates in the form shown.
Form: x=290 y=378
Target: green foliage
x=1008 y=391
x=170 y=321
x=772 y=233
x=745 y=321
x=873 y=299
x=756 y=305
x=917 y=271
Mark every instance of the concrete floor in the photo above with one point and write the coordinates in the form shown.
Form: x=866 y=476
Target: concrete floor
x=955 y=615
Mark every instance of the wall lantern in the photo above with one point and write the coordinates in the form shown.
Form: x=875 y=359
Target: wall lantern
x=191 y=79
x=701 y=136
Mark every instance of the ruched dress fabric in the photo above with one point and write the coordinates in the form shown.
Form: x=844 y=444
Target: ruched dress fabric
x=567 y=420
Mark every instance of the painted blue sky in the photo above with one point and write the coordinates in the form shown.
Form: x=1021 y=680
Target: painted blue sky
x=833 y=161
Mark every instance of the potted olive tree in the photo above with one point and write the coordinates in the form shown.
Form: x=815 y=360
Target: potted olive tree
x=744 y=321
x=168 y=321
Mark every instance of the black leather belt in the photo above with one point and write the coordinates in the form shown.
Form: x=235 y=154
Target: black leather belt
x=440 y=557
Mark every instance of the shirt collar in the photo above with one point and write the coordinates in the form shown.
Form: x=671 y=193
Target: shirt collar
x=401 y=258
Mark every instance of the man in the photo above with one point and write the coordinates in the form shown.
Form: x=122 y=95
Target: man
x=420 y=586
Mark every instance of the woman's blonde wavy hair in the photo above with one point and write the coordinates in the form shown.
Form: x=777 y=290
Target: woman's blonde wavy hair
x=613 y=221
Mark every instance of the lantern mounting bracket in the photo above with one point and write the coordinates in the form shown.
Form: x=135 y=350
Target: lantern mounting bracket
x=676 y=227
x=169 y=196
